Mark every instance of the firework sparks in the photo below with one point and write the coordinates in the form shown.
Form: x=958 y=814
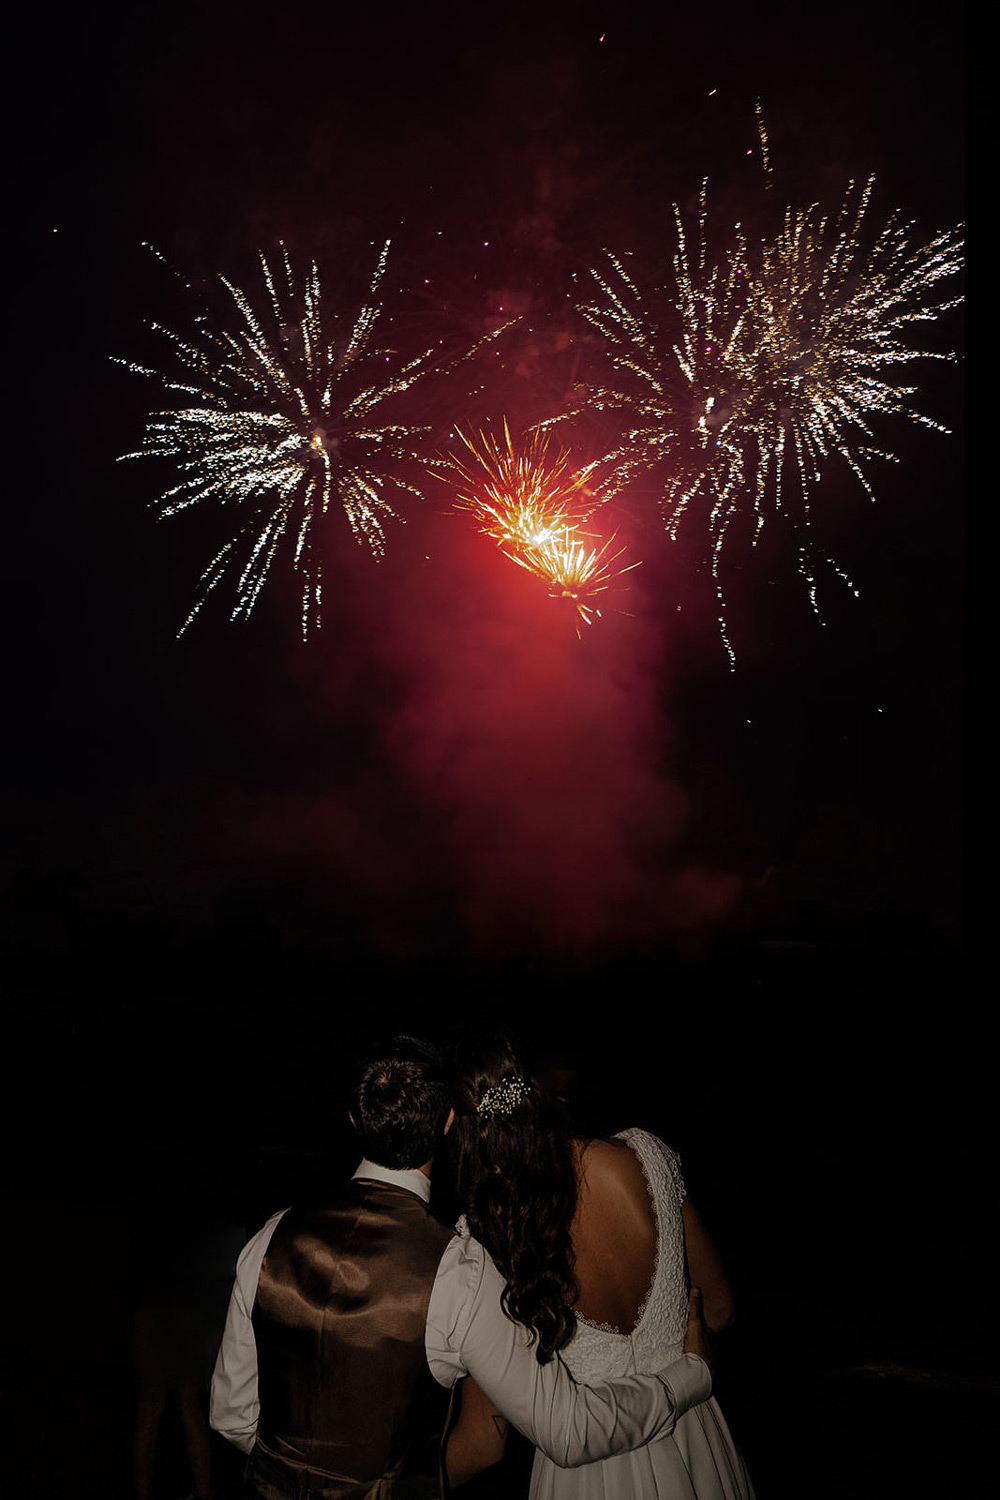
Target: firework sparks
x=770 y=361
x=282 y=419
x=521 y=497
x=531 y=502
x=573 y=572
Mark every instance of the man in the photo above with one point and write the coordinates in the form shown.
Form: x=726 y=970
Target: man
x=350 y=1324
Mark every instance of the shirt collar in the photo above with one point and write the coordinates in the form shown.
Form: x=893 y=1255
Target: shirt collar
x=412 y=1179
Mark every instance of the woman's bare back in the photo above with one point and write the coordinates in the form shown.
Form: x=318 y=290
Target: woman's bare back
x=614 y=1235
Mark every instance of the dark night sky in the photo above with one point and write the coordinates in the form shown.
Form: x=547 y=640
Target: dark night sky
x=376 y=782
x=445 y=788
x=223 y=851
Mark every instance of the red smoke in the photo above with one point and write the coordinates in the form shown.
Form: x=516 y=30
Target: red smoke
x=541 y=757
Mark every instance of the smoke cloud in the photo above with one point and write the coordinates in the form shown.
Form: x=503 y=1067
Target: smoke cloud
x=541 y=758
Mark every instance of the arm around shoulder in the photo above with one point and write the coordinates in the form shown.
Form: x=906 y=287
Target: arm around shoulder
x=572 y=1424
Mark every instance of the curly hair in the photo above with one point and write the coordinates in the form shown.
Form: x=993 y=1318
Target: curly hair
x=516 y=1182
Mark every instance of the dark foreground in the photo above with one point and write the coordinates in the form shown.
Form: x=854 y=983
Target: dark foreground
x=832 y=1135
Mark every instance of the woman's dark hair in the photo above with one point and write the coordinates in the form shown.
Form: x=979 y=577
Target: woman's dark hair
x=516 y=1181
x=400 y=1103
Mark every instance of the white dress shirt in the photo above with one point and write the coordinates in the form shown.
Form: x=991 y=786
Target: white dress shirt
x=468 y=1333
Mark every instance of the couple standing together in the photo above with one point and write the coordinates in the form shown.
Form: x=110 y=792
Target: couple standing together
x=373 y=1353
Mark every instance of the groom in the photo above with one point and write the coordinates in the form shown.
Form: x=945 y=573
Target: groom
x=351 y=1322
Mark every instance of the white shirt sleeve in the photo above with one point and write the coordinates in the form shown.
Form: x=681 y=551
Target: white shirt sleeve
x=468 y=1333
x=233 y=1405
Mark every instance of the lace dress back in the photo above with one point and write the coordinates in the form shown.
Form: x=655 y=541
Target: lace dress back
x=698 y=1460
x=600 y=1352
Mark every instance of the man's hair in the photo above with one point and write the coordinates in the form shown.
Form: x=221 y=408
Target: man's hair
x=400 y=1104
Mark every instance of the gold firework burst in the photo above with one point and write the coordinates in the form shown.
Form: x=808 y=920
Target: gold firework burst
x=283 y=422
x=530 y=500
x=769 y=361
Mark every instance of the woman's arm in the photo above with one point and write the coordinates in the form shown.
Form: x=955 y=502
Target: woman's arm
x=479 y=1437
x=468 y=1333
x=705 y=1270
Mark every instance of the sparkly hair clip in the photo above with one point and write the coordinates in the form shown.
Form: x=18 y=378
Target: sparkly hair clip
x=503 y=1097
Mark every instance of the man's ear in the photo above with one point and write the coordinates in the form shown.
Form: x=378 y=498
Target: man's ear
x=450 y=1121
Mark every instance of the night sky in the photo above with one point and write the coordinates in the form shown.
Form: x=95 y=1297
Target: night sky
x=738 y=895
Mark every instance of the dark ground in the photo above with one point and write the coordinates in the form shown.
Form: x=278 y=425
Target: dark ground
x=835 y=1145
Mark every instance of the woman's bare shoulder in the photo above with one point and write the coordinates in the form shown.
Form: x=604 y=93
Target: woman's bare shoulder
x=614 y=1233
x=611 y=1167
x=596 y=1150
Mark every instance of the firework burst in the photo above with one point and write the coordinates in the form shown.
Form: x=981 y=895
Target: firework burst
x=766 y=363
x=572 y=571
x=530 y=501
x=282 y=420
x=521 y=496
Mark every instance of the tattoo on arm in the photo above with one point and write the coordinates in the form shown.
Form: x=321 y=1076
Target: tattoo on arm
x=501 y=1424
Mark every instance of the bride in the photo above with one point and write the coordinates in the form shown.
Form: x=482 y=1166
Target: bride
x=599 y=1246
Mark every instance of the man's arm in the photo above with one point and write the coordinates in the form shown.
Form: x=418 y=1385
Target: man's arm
x=468 y=1333
x=705 y=1269
x=479 y=1438
x=233 y=1406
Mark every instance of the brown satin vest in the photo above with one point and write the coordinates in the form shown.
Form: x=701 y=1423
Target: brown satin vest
x=348 y=1407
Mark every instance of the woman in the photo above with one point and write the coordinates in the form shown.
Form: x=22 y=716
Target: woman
x=599 y=1244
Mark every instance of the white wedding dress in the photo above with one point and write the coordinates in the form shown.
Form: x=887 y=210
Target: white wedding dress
x=699 y=1460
